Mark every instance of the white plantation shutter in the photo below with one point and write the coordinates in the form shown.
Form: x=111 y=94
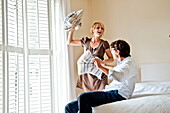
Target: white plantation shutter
x=38 y=25
x=0 y=23
x=16 y=83
x=25 y=51
x=15 y=60
x=1 y=82
x=1 y=62
x=39 y=77
x=39 y=56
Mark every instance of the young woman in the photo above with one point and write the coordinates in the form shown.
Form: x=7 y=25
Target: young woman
x=98 y=47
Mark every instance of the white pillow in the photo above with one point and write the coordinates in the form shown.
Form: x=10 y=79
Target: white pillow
x=71 y=20
x=145 y=88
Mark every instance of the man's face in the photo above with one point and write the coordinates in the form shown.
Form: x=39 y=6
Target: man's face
x=114 y=53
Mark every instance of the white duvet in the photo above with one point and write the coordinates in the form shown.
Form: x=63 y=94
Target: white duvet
x=149 y=97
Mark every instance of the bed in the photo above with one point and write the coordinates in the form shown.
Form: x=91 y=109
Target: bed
x=151 y=95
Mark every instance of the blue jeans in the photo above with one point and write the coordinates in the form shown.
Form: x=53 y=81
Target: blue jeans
x=91 y=99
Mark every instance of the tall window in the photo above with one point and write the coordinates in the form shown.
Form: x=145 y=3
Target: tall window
x=25 y=56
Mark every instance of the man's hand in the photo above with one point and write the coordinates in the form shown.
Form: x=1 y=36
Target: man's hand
x=97 y=62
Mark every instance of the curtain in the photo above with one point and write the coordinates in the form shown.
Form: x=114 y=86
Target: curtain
x=64 y=82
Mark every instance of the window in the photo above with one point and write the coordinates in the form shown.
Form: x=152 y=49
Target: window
x=25 y=56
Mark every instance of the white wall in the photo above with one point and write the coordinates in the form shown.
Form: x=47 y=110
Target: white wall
x=145 y=24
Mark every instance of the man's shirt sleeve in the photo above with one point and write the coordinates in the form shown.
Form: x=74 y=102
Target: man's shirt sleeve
x=119 y=73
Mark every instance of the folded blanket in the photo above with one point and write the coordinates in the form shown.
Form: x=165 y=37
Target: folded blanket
x=85 y=65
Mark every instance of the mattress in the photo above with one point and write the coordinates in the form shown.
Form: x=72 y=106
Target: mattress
x=148 y=97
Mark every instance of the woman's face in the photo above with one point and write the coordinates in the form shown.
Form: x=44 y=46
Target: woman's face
x=98 y=30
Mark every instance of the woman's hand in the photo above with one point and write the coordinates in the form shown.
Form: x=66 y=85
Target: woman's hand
x=73 y=28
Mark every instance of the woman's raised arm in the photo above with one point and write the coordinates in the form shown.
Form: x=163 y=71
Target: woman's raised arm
x=70 y=38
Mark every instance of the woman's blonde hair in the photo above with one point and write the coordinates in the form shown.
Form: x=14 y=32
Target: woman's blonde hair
x=94 y=26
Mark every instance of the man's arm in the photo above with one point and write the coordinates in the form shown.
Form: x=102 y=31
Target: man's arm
x=98 y=64
x=107 y=66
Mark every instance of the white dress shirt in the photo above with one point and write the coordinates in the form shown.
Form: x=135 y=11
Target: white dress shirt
x=124 y=77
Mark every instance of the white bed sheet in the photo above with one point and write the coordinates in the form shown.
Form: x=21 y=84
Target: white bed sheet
x=148 y=97
x=146 y=104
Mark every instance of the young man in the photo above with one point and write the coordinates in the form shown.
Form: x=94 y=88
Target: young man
x=123 y=77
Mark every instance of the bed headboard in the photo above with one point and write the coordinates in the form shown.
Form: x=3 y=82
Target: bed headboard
x=155 y=72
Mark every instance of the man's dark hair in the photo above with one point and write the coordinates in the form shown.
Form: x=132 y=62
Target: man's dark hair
x=122 y=46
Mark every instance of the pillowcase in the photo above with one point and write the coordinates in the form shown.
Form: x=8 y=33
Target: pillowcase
x=145 y=88
x=85 y=65
x=71 y=20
